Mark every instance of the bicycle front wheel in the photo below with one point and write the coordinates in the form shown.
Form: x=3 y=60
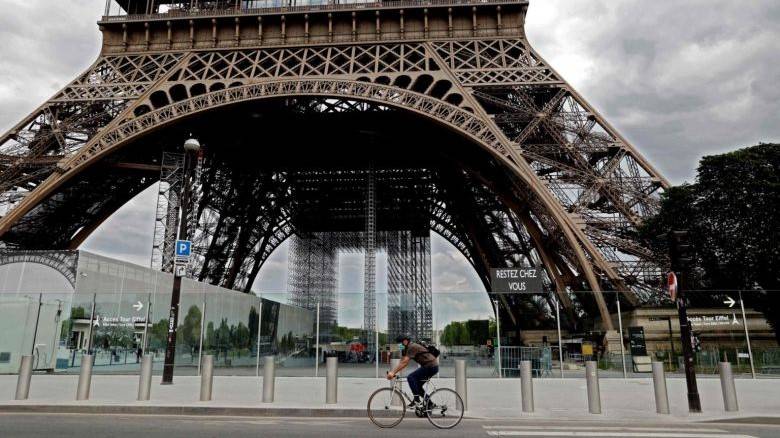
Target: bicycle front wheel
x=386 y=407
x=445 y=408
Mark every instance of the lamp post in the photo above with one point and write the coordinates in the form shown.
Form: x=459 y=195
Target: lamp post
x=191 y=148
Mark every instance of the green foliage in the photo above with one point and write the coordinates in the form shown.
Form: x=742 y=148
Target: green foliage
x=252 y=323
x=471 y=332
x=287 y=343
x=78 y=313
x=189 y=330
x=731 y=212
x=158 y=334
x=241 y=337
x=211 y=337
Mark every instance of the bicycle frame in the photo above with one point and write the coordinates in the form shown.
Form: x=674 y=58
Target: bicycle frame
x=397 y=385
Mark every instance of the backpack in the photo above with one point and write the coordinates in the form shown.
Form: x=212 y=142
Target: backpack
x=432 y=349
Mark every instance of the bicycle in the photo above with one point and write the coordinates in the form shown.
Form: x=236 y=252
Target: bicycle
x=387 y=406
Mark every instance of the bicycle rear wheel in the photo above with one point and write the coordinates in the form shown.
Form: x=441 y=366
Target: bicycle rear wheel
x=445 y=408
x=386 y=407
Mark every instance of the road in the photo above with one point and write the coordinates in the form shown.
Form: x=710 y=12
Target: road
x=98 y=426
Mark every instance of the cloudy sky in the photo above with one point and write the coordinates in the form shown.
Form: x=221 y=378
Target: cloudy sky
x=680 y=79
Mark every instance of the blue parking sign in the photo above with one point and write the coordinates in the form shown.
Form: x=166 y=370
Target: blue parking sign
x=183 y=248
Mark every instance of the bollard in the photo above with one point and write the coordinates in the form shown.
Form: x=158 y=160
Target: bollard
x=659 y=385
x=145 y=379
x=25 y=374
x=268 y=380
x=461 y=381
x=331 y=381
x=527 y=386
x=592 y=382
x=396 y=401
x=85 y=377
x=206 y=377
x=727 y=385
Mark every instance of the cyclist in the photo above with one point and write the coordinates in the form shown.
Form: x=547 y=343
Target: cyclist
x=429 y=367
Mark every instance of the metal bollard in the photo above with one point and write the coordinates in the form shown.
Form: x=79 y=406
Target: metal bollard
x=659 y=385
x=206 y=377
x=461 y=382
x=527 y=386
x=396 y=401
x=145 y=379
x=85 y=377
x=332 y=380
x=592 y=382
x=25 y=375
x=268 y=380
x=727 y=385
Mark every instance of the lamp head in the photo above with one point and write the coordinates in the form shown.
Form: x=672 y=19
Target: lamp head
x=192 y=145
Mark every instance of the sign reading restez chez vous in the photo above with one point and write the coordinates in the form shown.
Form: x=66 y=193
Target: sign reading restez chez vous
x=516 y=280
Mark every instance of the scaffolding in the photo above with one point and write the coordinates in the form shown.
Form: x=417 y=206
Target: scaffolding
x=312 y=275
x=166 y=219
x=409 y=307
x=369 y=265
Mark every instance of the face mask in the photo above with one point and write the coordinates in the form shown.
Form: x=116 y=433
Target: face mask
x=401 y=347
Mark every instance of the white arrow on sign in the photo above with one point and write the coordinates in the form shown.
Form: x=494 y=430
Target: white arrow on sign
x=138 y=306
x=730 y=301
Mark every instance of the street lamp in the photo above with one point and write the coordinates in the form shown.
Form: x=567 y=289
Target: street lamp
x=191 y=149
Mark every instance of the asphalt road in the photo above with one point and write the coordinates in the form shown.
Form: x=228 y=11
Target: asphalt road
x=100 y=426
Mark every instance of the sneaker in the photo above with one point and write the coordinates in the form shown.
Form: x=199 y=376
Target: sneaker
x=416 y=404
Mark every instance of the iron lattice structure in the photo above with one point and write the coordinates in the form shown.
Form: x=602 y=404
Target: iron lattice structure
x=409 y=298
x=313 y=276
x=507 y=161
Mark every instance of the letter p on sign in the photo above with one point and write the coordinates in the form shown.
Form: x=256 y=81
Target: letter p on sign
x=183 y=248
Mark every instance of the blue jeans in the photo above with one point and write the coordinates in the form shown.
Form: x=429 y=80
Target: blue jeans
x=419 y=377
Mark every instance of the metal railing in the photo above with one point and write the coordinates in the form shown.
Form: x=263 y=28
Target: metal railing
x=273 y=8
x=540 y=358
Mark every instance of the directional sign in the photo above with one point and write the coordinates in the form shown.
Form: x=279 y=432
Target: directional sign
x=516 y=280
x=183 y=248
x=138 y=306
x=180 y=270
x=730 y=301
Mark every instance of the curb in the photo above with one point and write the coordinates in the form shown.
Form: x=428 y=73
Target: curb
x=183 y=410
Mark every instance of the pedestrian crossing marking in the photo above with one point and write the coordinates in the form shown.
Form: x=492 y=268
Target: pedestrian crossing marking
x=607 y=431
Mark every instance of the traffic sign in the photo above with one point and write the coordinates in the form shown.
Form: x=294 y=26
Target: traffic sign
x=671 y=282
x=730 y=301
x=183 y=248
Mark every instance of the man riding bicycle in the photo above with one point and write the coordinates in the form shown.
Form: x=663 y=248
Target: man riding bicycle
x=429 y=367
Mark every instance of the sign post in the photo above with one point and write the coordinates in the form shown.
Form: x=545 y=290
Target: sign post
x=182 y=252
x=681 y=256
x=512 y=281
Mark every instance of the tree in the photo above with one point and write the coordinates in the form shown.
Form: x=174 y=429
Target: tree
x=252 y=323
x=190 y=327
x=158 y=334
x=223 y=336
x=242 y=338
x=731 y=212
x=211 y=337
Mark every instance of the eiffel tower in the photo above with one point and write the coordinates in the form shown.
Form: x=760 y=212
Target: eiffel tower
x=470 y=132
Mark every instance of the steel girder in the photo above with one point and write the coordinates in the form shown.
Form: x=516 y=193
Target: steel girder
x=580 y=189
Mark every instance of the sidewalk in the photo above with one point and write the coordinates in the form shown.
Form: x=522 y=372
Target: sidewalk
x=490 y=398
